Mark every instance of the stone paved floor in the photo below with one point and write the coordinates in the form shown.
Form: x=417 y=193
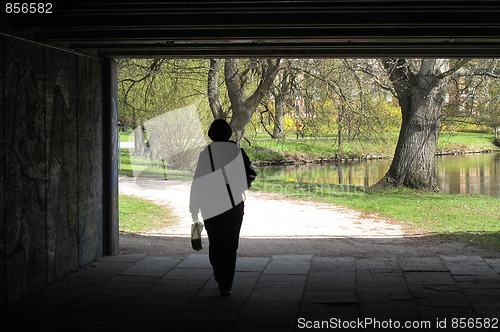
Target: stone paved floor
x=277 y=293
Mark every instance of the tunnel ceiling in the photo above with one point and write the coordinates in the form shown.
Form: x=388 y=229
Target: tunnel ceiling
x=113 y=28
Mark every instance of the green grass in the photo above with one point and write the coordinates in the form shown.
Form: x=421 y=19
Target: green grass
x=126 y=136
x=292 y=149
x=457 y=142
x=310 y=149
x=149 y=168
x=139 y=215
x=473 y=219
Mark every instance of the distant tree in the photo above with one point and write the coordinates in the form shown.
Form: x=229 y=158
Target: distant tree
x=281 y=91
x=342 y=92
x=474 y=100
x=489 y=107
x=289 y=93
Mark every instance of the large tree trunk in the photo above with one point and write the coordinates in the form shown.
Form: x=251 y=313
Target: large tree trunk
x=420 y=97
x=414 y=158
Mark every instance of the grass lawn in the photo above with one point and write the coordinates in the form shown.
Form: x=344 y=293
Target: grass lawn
x=325 y=148
x=320 y=148
x=456 y=142
x=149 y=168
x=474 y=219
x=139 y=215
x=126 y=136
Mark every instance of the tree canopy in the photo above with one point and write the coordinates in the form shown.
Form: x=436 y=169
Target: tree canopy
x=346 y=99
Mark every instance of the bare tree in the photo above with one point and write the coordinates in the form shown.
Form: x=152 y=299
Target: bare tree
x=286 y=91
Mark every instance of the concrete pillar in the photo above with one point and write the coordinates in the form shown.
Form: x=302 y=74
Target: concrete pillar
x=110 y=157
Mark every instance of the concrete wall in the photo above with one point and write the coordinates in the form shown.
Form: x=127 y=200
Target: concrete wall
x=51 y=165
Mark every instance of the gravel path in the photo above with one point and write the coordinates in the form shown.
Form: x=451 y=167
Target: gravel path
x=274 y=224
x=267 y=214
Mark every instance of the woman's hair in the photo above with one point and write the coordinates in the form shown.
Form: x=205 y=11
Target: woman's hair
x=220 y=130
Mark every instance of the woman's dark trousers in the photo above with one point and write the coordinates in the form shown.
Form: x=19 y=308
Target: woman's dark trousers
x=223 y=235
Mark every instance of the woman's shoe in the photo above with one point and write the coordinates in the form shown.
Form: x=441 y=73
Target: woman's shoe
x=225 y=292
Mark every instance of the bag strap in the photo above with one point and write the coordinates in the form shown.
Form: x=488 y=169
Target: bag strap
x=211 y=159
x=225 y=177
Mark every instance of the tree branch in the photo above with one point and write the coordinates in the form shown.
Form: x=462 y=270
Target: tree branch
x=477 y=72
x=213 y=89
x=265 y=84
x=455 y=68
x=399 y=74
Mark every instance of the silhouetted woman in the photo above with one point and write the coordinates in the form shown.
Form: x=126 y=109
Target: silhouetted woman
x=217 y=191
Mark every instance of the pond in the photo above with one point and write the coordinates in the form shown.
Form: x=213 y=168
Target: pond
x=465 y=174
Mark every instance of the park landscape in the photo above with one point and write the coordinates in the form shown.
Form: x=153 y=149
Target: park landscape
x=403 y=118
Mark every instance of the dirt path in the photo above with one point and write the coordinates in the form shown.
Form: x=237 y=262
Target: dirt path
x=274 y=223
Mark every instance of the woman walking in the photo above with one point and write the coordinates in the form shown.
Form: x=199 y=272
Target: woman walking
x=217 y=191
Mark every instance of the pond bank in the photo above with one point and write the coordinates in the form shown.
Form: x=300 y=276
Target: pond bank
x=319 y=151
x=337 y=159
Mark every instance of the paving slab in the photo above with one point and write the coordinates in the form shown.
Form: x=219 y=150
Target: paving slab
x=102 y=269
x=330 y=284
x=494 y=263
x=429 y=278
x=128 y=258
x=282 y=281
x=251 y=264
x=152 y=266
x=269 y=293
x=195 y=261
x=332 y=274
x=329 y=309
x=330 y=297
x=423 y=264
x=189 y=274
x=468 y=265
x=333 y=264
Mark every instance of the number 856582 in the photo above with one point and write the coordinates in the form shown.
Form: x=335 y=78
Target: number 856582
x=28 y=8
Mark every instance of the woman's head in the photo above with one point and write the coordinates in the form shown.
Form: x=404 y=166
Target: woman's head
x=220 y=130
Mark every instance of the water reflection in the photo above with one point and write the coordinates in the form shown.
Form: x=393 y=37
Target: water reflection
x=471 y=174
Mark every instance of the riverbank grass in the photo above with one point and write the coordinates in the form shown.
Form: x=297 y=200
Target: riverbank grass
x=472 y=219
x=451 y=142
x=311 y=149
x=140 y=215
